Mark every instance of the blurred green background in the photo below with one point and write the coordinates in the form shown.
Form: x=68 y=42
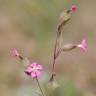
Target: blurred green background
x=30 y=26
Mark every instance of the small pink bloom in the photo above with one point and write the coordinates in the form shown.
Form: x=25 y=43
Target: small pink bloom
x=34 y=70
x=15 y=53
x=83 y=45
x=73 y=8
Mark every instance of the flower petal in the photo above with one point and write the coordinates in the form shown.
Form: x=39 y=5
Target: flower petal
x=39 y=67
x=15 y=53
x=73 y=8
x=33 y=74
x=83 y=45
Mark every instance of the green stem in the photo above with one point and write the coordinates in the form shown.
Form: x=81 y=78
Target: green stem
x=39 y=86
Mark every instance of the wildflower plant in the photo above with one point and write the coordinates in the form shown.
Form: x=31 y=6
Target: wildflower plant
x=35 y=69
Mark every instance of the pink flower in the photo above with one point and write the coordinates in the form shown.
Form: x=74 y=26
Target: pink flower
x=73 y=8
x=15 y=53
x=83 y=45
x=34 y=70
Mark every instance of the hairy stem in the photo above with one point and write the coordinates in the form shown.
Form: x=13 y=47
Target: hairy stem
x=40 y=86
x=57 y=49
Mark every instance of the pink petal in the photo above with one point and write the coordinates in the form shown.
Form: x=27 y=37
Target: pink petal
x=34 y=64
x=83 y=45
x=73 y=8
x=33 y=75
x=29 y=69
x=15 y=53
x=38 y=73
x=40 y=67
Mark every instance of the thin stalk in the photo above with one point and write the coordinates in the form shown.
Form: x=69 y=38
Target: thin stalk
x=40 y=86
x=56 y=49
x=53 y=66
